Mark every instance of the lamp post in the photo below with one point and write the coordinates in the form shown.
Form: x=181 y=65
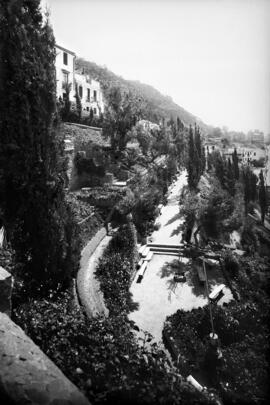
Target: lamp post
x=213 y=335
x=209 y=301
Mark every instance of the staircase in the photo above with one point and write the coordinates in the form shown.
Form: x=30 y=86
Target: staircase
x=162 y=249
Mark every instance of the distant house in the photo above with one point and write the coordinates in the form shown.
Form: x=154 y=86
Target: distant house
x=66 y=79
x=256 y=137
x=148 y=125
x=246 y=154
x=90 y=93
x=252 y=154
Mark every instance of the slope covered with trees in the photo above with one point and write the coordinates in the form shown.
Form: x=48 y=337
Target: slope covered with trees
x=157 y=106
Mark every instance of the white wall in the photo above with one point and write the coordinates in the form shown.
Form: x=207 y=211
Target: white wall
x=61 y=68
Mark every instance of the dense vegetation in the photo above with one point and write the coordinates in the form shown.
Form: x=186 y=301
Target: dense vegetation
x=241 y=375
x=47 y=229
x=37 y=220
x=102 y=356
x=219 y=204
x=156 y=105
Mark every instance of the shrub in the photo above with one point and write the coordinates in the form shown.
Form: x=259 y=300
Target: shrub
x=116 y=269
x=101 y=356
x=231 y=264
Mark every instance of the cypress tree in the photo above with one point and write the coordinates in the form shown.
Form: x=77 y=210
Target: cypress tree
x=78 y=102
x=262 y=196
x=31 y=150
x=235 y=164
x=250 y=184
x=91 y=115
x=191 y=157
x=220 y=168
x=230 y=177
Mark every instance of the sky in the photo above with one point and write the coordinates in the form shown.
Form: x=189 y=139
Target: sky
x=211 y=56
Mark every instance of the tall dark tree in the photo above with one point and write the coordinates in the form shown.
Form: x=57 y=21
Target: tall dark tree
x=250 y=184
x=191 y=166
x=32 y=168
x=65 y=110
x=91 y=115
x=78 y=102
x=230 y=177
x=235 y=162
x=220 y=167
x=179 y=125
x=200 y=150
x=262 y=196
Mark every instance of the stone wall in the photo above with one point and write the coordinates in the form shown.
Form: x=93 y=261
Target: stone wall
x=27 y=375
x=5 y=291
x=88 y=288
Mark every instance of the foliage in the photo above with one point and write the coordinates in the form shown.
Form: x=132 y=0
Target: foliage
x=87 y=165
x=241 y=375
x=231 y=264
x=196 y=158
x=121 y=113
x=249 y=180
x=102 y=357
x=144 y=137
x=31 y=149
x=78 y=102
x=209 y=208
x=156 y=105
x=235 y=162
x=64 y=106
x=144 y=211
x=262 y=196
x=116 y=268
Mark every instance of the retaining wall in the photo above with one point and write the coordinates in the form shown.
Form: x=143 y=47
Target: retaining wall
x=88 y=287
x=27 y=375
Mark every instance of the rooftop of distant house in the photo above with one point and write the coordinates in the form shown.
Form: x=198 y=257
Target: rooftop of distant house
x=65 y=49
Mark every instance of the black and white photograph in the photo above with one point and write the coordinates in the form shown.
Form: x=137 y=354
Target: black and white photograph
x=134 y=202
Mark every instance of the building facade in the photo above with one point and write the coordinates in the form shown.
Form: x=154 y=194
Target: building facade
x=65 y=70
x=90 y=94
x=67 y=78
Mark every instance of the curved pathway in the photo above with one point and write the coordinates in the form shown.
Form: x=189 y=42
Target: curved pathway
x=88 y=286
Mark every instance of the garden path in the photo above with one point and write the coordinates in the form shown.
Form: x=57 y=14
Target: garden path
x=158 y=295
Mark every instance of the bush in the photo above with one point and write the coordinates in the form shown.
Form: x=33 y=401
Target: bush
x=242 y=374
x=101 y=356
x=231 y=264
x=116 y=269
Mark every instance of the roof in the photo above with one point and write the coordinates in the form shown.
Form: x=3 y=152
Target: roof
x=65 y=49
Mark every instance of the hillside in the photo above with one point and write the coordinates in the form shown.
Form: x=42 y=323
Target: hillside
x=157 y=106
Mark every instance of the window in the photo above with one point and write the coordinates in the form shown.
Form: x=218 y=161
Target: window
x=95 y=110
x=80 y=91
x=65 y=80
x=65 y=58
x=88 y=95
x=95 y=95
x=87 y=108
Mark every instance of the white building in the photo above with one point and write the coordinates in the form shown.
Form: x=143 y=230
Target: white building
x=90 y=93
x=65 y=66
x=66 y=78
x=148 y=125
x=246 y=155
